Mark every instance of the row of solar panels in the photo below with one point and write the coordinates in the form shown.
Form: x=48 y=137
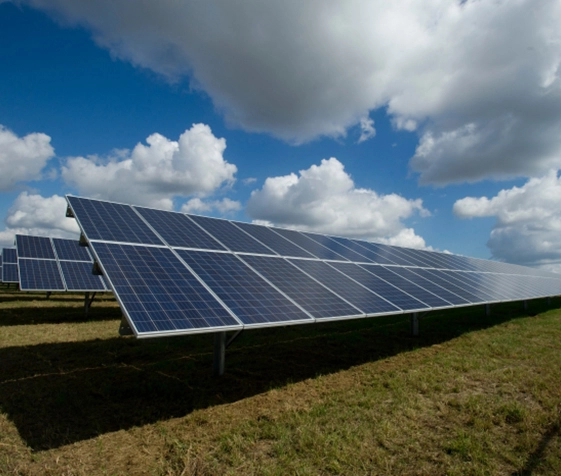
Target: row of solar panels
x=50 y=264
x=175 y=273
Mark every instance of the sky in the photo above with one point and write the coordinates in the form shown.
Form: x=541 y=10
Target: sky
x=432 y=124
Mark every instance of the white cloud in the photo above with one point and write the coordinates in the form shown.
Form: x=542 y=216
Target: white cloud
x=33 y=214
x=22 y=159
x=153 y=174
x=481 y=78
x=367 y=129
x=324 y=198
x=224 y=206
x=528 y=226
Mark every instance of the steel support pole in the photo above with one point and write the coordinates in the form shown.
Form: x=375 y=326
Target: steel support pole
x=219 y=353
x=487 y=310
x=415 y=324
x=525 y=305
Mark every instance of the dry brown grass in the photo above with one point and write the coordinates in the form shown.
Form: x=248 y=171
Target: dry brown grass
x=471 y=395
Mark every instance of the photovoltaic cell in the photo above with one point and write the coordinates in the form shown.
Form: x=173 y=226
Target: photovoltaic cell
x=10 y=273
x=385 y=254
x=231 y=236
x=395 y=295
x=111 y=222
x=273 y=240
x=359 y=296
x=79 y=277
x=71 y=250
x=250 y=297
x=363 y=251
x=306 y=292
x=178 y=230
x=309 y=245
x=158 y=293
x=39 y=275
x=34 y=247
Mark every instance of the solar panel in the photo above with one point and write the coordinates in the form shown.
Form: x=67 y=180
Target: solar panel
x=39 y=275
x=178 y=230
x=396 y=296
x=78 y=277
x=311 y=246
x=338 y=247
x=174 y=273
x=157 y=292
x=314 y=298
x=0 y=267
x=358 y=295
x=71 y=250
x=273 y=240
x=9 y=266
x=111 y=222
x=34 y=247
x=250 y=297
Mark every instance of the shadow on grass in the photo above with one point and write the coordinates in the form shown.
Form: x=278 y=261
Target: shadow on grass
x=535 y=459
x=57 y=394
x=53 y=314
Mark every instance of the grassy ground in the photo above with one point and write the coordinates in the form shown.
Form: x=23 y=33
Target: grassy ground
x=471 y=395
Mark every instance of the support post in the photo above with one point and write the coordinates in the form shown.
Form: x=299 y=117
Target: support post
x=548 y=301
x=219 y=353
x=415 y=324
x=48 y=295
x=525 y=305
x=88 y=302
x=487 y=310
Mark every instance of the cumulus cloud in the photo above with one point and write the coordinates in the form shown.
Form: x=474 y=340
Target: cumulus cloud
x=528 y=221
x=224 y=206
x=154 y=173
x=478 y=80
x=324 y=198
x=34 y=214
x=22 y=158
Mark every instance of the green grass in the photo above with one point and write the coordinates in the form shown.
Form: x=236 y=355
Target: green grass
x=471 y=395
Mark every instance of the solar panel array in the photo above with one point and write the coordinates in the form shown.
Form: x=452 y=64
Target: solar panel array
x=55 y=264
x=175 y=273
x=10 y=266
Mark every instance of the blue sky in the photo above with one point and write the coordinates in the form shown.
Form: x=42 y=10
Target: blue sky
x=429 y=124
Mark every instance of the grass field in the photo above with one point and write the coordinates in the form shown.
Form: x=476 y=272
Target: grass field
x=471 y=395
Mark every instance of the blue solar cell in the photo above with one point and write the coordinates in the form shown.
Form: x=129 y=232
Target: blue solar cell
x=395 y=295
x=231 y=236
x=178 y=230
x=306 y=292
x=338 y=247
x=10 y=273
x=359 y=296
x=34 y=247
x=248 y=295
x=475 y=283
x=10 y=255
x=273 y=240
x=429 y=286
x=39 y=275
x=78 y=277
x=71 y=250
x=438 y=277
x=158 y=293
x=309 y=245
x=418 y=292
x=111 y=222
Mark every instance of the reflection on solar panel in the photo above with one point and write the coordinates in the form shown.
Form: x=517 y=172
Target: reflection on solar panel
x=174 y=273
x=10 y=266
x=55 y=264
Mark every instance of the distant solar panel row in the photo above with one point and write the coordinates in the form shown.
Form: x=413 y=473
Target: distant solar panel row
x=55 y=264
x=179 y=273
x=10 y=266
